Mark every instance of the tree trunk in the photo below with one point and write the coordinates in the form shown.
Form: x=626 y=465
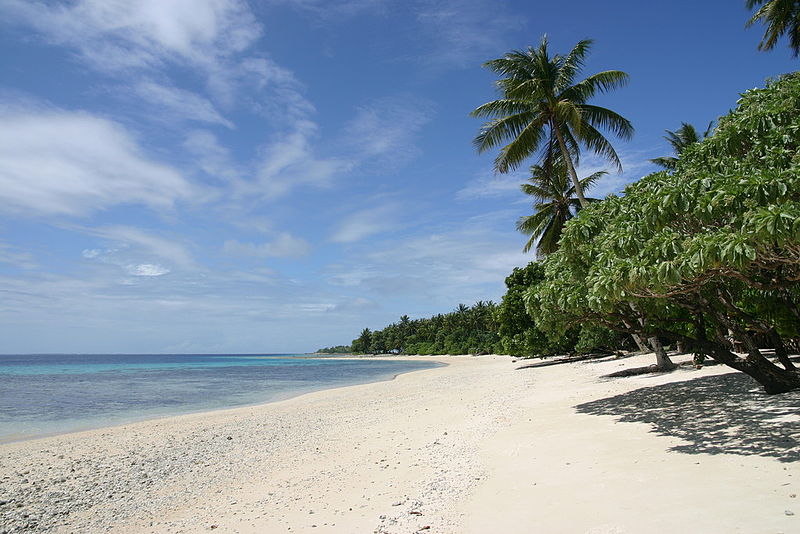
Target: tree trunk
x=770 y=376
x=662 y=360
x=570 y=167
x=640 y=343
x=700 y=333
x=780 y=351
x=773 y=378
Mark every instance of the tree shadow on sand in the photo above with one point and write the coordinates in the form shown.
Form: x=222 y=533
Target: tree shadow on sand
x=716 y=414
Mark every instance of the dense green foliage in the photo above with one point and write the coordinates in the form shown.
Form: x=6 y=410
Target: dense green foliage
x=518 y=332
x=542 y=108
x=706 y=255
x=338 y=349
x=467 y=330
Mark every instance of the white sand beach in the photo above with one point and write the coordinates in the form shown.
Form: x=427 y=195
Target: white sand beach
x=474 y=447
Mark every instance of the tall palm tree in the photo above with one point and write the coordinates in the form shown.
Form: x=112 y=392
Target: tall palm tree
x=541 y=105
x=553 y=206
x=681 y=138
x=780 y=17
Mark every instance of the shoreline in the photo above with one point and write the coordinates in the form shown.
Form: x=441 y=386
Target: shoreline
x=473 y=447
x=133 y=419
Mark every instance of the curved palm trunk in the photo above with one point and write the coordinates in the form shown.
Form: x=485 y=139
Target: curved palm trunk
x=570 y=167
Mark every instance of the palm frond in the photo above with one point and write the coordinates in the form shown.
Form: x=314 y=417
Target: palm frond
x=602 y=82
x=608 y=120
x=498 y=131
x=520 y=148
x=597 y=143
x=781 y=17
x=572 y=64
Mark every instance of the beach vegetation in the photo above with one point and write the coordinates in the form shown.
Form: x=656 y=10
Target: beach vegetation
x=466 y=330
x=338 y=349
x=542 y=108
x=554 y=204
x=708 y=255
x=685 y=136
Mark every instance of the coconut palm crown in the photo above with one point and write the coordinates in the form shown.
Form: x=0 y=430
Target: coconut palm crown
x=681 y=138
x=554 y=204
x=542 y=105
x=780 y=17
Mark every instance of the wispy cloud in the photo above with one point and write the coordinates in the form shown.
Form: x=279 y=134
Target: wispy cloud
x=116 y=36
x=364 y=223
x=492 y=185
x=179 y=104
x=130 y=242
x=211 y=156
x=72 y=163
x=465 y=31
x=290 y=161
x=448 y=265
x=284 y=245
x=16 y=257
x=336 y=10
x=384 y=132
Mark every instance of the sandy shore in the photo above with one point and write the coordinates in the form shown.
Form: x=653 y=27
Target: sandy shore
x=474 y=447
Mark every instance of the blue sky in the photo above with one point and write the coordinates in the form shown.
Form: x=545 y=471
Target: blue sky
x=225 y=176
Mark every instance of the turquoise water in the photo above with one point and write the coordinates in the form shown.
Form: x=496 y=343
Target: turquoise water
x=54 y=393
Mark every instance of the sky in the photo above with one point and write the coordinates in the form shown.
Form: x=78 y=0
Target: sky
x=273 y=176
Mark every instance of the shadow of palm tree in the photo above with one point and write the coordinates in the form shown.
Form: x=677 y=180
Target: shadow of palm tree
x=715 y=414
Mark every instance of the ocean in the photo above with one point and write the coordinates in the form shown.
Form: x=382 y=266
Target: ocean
x=44 y=394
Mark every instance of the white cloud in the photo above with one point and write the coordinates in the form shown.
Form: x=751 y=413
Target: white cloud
x=386 y=130
x=290 y=162
x=365 y=223
x=466 y=31
x=179 y=103
x=119 y=35
x=334 y=10
x=488 y=185
x=446 y=265
x=73 y=163
x=284 y=245
x=11 y=255
x=147 y=269
x=142 y=242
x=213 y=158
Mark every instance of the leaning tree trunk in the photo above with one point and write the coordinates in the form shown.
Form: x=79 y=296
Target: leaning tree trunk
x=644 y=349
x=773 y=378
x=662 y=360
x=570 y=167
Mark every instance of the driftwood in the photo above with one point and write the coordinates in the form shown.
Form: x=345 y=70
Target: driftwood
x=560 y=360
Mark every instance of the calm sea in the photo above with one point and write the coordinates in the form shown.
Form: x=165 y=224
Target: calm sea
x=46 y=394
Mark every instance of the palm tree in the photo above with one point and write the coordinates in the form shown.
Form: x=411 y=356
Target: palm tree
x=542 y=106
x=681 y=138
x=554 y=204
x=780 y=17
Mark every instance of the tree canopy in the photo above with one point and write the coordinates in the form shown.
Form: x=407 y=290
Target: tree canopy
x=708 y=255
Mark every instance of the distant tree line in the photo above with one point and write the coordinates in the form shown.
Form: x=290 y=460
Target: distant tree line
x=338 y=349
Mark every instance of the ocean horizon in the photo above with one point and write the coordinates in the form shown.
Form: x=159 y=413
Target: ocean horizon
x=46 y=394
